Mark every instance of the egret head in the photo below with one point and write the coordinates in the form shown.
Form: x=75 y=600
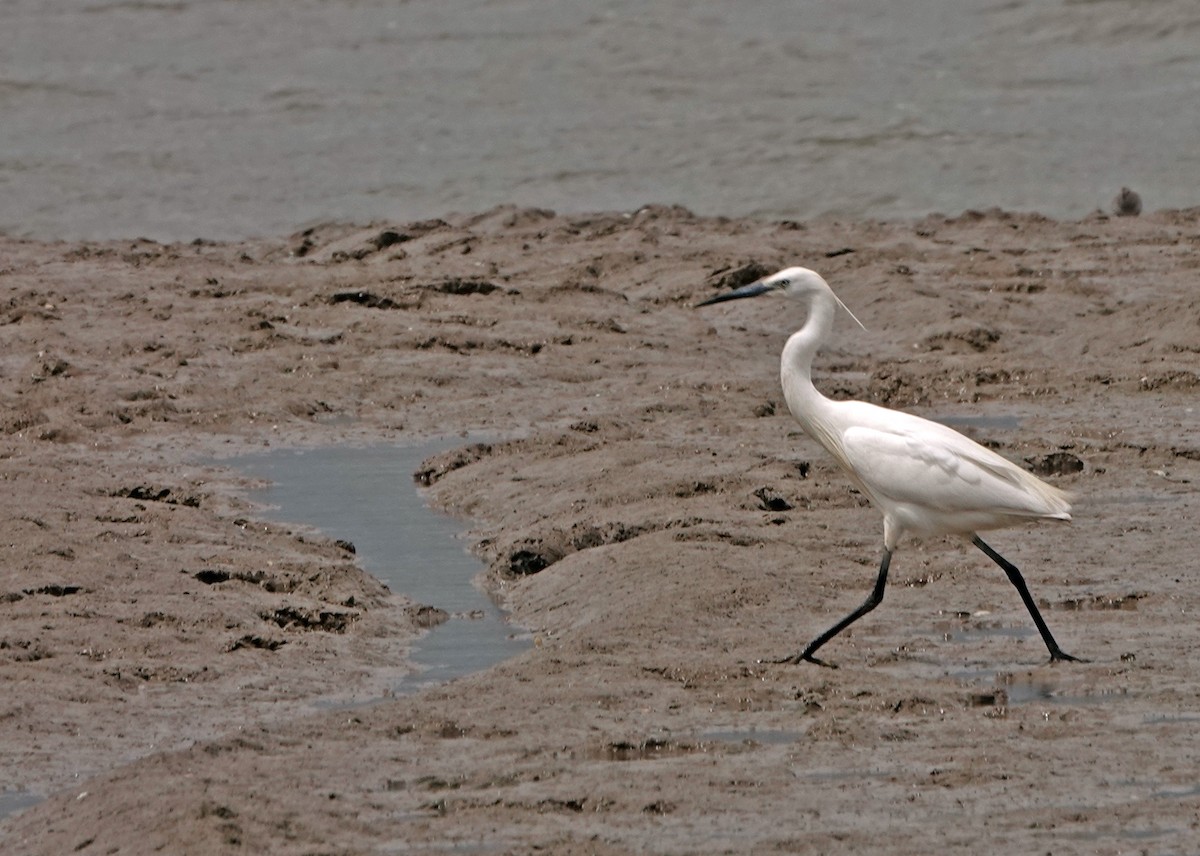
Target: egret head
x=796 y=282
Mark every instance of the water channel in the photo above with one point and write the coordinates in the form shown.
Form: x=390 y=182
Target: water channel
x=366 y=495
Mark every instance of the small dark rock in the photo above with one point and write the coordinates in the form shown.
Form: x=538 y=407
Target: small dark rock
x=731 y=278
x=425 y=617
x=364 y=298
x=523 y=563
x=55 y=590
x=293 y=618
x=388 y=238
x=976 y=338
x=145 y=493
x=771 y=501
x=1127 y=203
x=464 y=286
x=436 y=467
x=1054 y=464
x=251 y=641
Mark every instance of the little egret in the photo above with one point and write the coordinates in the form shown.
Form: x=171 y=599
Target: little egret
x=927 y=479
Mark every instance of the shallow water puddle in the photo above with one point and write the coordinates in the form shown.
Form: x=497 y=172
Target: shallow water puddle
x=977 y=632
x=643 y=750
x=718 y=739
x=1170 y=718
x=1035 y=692
x=838 y=778
x=12 y=802
x=750 y=736
x=993 y=688
x=366 y=495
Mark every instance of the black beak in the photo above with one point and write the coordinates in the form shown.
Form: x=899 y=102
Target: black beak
x=754 y=289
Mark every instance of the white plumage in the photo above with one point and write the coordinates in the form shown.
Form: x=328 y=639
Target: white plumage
x=926 y=478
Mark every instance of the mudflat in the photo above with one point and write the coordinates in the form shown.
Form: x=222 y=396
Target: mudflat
x=644 y=506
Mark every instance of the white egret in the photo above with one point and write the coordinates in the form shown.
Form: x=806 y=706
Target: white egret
x=927 y=479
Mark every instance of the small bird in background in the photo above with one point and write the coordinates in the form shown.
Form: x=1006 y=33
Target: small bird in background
x=926 y=478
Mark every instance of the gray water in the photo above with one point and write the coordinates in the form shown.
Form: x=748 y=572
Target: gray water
x=175 y=119
x=367 y=496
x=12 y=802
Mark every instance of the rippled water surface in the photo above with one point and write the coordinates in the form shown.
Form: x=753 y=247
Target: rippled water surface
x=176 y=119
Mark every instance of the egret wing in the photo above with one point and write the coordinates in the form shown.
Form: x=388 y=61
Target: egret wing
x=935 y=467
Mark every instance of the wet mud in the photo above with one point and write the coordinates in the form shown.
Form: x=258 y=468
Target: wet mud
x=180 y=672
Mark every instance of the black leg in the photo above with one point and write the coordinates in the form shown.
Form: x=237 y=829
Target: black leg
x=873 y=600
x=1014 y=577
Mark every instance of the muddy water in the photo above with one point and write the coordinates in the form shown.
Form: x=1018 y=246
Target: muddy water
x=12 y=802
x=183 y=119
x=367 y=496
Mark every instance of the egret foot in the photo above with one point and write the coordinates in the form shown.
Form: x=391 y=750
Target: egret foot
x=811 y=659
x=797 y=659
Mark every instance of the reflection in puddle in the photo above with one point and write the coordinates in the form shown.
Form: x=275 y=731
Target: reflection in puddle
x=12 y=802
x=1169 y=718
x=725 y=740
x=993 y=689
x=366 y=495
x=750 y=736
x=1036 y=691
x=990 y=687
x=643 y=750
x=1177 y=793
x=835 y=776
x=1125 y=833
x=968 y=634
